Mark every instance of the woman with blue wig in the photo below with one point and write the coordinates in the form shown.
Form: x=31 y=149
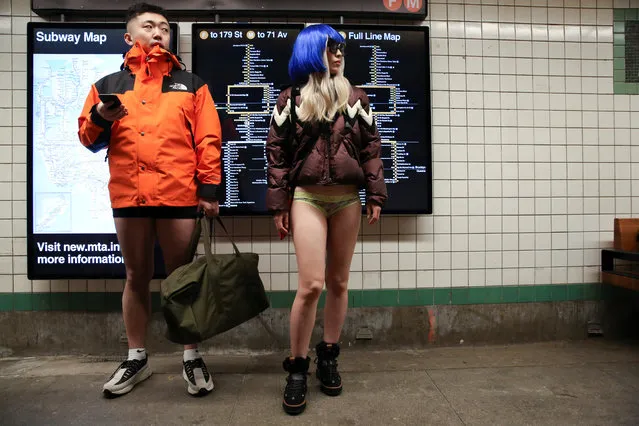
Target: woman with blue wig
x=322 y=148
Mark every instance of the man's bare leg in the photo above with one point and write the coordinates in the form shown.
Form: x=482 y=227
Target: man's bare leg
x=136 y=239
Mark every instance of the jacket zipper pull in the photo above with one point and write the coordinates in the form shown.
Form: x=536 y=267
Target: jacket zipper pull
x=106 y=157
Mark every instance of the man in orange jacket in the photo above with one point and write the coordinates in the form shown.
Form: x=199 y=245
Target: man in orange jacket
x=163 y=145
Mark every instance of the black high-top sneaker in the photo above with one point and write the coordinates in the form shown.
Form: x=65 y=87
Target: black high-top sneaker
x=330 y=380
x=295 y=391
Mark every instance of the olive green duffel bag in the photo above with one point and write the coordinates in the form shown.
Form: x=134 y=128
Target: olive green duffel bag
x=212 y=294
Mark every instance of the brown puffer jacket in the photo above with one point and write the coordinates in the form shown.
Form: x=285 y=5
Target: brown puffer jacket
x=353 y=157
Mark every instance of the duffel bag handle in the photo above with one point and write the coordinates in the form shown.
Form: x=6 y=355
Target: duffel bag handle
x=207 y=230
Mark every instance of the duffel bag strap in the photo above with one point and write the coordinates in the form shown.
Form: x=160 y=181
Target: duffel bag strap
x=207 y=230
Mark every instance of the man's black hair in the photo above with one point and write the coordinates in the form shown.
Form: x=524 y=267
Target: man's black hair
x=140 y=8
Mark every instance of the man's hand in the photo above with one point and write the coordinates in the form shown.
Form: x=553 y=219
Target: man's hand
x=111 y=114
x=281 y=223
x=372 y=212
x=210 y=208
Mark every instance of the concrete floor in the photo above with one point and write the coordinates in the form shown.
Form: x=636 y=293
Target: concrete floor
x=592 y=382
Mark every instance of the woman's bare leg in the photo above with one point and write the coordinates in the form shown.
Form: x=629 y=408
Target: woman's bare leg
x=343 y=228
x=309 y=227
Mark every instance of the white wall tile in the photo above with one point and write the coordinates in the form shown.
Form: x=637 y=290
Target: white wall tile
x=279 y=263
x=96 y=286
x=21 y=284
x=41 y=286
x=6 y=283
x=77 y=285
x=390 y=280
x=59 y=286
x=442 y=279
x=355 y=281
x=494 y=277
x=425 y=279
x=371 y=281
x=20 y=7
x=279 y=281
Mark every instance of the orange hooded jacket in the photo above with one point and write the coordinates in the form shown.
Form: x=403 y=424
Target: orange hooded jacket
x=166 y=151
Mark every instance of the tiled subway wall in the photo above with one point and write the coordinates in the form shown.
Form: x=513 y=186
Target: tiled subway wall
x=534 y=155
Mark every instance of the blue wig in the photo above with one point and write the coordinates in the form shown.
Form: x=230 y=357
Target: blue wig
x=308 y=51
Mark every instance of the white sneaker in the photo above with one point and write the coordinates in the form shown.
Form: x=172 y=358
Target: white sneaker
x=126 y=376
x=199 y=381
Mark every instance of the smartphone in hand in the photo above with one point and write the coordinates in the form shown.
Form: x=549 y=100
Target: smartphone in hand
x=110 y=97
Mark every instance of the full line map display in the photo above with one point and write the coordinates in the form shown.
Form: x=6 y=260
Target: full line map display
x=390 y=64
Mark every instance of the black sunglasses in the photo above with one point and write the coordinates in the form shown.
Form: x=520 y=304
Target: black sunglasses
x=333 y=46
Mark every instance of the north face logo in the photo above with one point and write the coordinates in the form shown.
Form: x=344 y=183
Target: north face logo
x=178 y=86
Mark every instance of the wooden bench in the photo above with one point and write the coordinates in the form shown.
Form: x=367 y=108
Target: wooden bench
x=625 y=272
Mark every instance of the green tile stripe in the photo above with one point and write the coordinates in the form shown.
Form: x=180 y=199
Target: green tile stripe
x=620 y=87
x=112 y=302
x=631 y=14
